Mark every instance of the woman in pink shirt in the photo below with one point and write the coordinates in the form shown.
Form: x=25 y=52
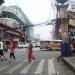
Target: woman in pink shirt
x=12 y=50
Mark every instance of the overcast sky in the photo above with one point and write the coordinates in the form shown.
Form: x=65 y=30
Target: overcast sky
x=38 y=11
x=44 y=32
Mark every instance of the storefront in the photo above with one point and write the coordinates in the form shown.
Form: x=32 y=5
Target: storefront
x=72 y=34
x=7 y=32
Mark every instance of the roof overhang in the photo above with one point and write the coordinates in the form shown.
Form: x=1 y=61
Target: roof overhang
x=72 y=22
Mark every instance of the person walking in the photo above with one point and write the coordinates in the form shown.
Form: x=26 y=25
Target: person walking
x=2 y=56
x=65 y=51
x=30 y=52
x=12 y=51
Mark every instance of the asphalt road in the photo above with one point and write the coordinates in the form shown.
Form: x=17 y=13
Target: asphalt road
x=46 y=64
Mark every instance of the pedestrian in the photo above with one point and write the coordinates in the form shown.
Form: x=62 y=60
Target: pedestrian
x=2 y=56
x=30 y=52
x=12 y=50
x=65 y=51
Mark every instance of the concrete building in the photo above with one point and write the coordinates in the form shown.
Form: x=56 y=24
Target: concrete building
x=12 y=23
x=62 y=19
x=65 y=28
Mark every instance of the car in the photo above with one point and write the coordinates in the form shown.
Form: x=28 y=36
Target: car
x=23 y=45
x=36 y=44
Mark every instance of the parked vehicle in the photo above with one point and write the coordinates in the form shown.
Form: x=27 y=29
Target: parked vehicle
x=23 y=45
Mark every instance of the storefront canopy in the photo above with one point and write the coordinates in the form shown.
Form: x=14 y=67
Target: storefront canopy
x=72 y=22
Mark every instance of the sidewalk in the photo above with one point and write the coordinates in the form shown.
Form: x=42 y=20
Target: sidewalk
x=70 y=61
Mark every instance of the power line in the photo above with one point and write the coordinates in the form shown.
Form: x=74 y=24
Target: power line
x=43 y=23
x=47 y=22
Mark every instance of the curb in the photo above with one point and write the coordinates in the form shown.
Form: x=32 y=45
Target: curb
x=68 y=64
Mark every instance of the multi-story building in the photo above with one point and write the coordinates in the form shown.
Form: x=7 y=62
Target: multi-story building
x=71 y=15
x=65 y=19
x=12 y=23
x=62 y=19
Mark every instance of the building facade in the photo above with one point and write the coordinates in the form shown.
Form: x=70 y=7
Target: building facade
x=12 y=23
x=62 y=20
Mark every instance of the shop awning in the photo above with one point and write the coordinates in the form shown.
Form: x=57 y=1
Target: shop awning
x=72 y=22
x=13 y=32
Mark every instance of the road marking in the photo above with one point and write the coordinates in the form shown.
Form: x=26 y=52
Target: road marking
x=40 y=67
x=51 y=68
x=58 y=73
x=16 y=67
x=25 y=70
x=3 y=68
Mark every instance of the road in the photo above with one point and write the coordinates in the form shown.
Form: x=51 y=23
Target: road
x=46 y=64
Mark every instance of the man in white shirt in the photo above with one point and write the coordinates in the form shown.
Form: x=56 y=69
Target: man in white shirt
x=2 y=51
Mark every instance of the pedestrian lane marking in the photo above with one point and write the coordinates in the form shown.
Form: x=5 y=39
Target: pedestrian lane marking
x=3 y=68
x=26 y=69
x=39 y=69
x=16 y=67
x=51 y=68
